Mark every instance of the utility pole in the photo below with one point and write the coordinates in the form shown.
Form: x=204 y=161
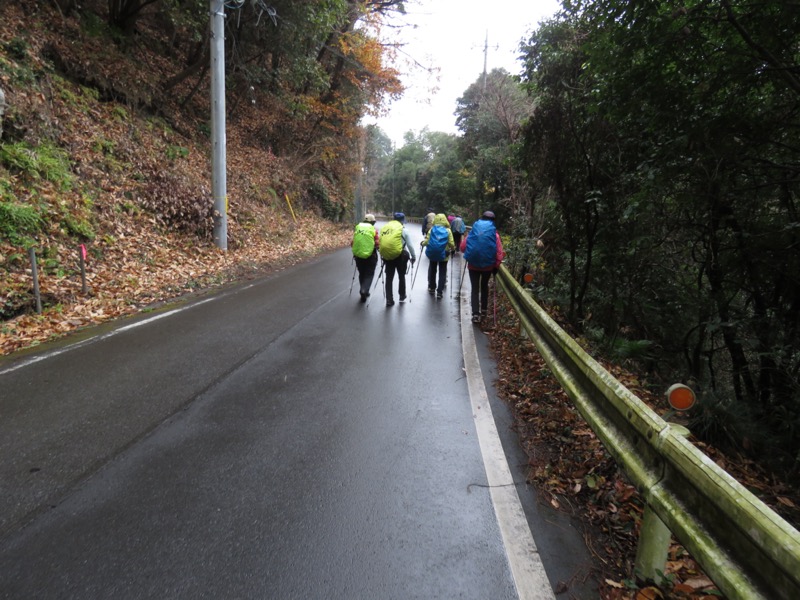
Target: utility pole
x=485 y=57
x=359 y=203
x=483 y=95
x=394 y=173
x=219 y=184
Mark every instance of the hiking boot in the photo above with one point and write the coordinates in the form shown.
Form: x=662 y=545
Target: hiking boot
x=363 y=297
x=439 y=295
x=390 y=303
x=402 y=299
x=431 y=290
x=476 y=318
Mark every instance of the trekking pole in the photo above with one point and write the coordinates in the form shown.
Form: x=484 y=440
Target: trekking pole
x=379 y=277
x=413 y=279
x=452 y=261
x=383 y=287
x=460 y=283
x=494 y=301
x=355 y=268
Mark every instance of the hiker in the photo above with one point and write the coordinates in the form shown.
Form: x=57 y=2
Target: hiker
x=427 y=222
x=394 y=248
x=439 y=246
x=483 y=252
x=365 y=245
x=458 y=228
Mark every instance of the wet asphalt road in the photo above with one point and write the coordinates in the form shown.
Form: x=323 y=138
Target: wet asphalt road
x=277 y=440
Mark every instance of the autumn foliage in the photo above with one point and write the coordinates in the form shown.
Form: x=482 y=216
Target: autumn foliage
x=105 y=146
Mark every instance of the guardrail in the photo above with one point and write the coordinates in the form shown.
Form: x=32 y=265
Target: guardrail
x=746 y=548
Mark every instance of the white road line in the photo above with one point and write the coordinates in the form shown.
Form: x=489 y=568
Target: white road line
x=97 y=338
x=529 y=575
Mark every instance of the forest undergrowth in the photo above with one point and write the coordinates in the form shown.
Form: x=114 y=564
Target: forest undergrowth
x=572 y=471
x=86 y=169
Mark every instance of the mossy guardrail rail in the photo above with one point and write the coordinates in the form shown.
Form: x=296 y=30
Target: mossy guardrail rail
x=746 y=548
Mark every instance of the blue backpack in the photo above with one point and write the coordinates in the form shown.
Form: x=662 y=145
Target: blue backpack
x=481 y=250
x=437 y=243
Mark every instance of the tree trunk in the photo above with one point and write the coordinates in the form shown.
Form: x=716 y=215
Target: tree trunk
x=743 y=383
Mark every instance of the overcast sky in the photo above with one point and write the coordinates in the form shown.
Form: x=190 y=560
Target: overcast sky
x=451 y=35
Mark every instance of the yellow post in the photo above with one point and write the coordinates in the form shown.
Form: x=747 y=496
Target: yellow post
x=291 y=210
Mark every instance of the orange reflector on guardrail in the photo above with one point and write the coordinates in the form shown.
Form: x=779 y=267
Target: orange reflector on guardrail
x=528 y=277
x=681 y=397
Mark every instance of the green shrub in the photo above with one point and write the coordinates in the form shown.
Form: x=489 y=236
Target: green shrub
x=18 y=222
x=79 y=227
x=19 y=157
x=623 y=349
x=17 y=48
x=45 y=162
x=13 y=303
x=20 y=73
x=174 y=152
x=722 y=422
x=103 y=146
x=93 y=25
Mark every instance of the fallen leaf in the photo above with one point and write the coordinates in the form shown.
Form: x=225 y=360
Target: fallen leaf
x=649 y=593
x=698 y=583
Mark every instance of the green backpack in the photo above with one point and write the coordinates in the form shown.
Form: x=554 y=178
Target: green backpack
x=391 y=244
x=364 y=240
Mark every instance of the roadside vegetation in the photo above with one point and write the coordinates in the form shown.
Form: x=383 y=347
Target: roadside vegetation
x=643 y=167
x=105 y=148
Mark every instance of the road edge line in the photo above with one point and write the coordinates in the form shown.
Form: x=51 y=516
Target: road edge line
x=527 y=570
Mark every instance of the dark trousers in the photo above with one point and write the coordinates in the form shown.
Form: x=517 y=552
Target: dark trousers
x=398 y=265
x=434 y=266
x=366 y=271
x=457 y=240
x=479 y=280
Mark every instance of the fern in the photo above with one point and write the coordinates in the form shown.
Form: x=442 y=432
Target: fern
x=45 y=162
x=18 y=222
